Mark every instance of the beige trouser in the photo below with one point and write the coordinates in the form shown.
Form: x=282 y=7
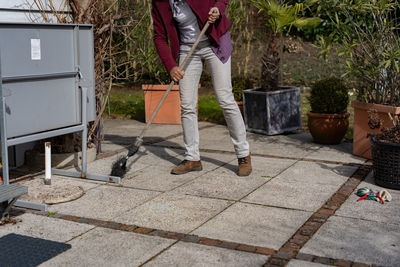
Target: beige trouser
x=188 y=88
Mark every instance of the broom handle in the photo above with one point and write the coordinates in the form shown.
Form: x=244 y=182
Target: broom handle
x=139 y=140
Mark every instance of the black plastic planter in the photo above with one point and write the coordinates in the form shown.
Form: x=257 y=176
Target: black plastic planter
x=272 y=112
x=386 y=163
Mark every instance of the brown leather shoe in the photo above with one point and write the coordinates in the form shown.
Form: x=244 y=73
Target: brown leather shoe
x=187 y=166
x=244 y=166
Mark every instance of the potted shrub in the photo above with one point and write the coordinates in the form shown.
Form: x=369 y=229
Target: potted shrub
x=328 y=119
x=385 y=147
x=274 y=109
x=239 y=83
x=368 y=30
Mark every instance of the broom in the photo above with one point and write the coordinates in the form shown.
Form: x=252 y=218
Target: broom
x=119 y=166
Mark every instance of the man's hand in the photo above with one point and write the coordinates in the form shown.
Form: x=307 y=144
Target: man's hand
x=176 y=74
x=213 y=15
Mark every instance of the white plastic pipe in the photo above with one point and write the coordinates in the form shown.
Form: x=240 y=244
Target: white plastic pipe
x=47 y=177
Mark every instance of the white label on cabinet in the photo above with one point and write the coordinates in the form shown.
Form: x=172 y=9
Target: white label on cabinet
x=35 y=49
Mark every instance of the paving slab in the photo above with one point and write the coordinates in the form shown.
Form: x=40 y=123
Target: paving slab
x=231 y=170
x=158 y=178
x=109 y=147
x=298 y=263
x=176 y=142
x=304 y=186
x=188 y=254
x=225 y=186
x=267 y=167
x=214 y=138
x=338 y=153
x=224 y=182
x=155 y=156
x=105 y=247
x=173 y=212
x=124 y=132
x=210 y=161
x=105 y=202
x=254 y=225
x=307 y=197
x=296 y=145
x=356 y=240
x=132 y=128
x=316 y=173
x=371 y=210
x=162 y=152
x=218 y=138
x=44 y=227
x=103 y=166
x=217 y=131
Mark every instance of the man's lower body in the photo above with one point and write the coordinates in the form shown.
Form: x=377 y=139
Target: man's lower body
x=188 y=89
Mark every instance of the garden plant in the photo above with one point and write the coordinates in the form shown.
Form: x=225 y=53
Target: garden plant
x=369 y=35
x=281 y=16
x=328 y=119
x=275 y=109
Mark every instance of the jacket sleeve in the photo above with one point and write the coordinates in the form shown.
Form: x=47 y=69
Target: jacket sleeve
x=161 y=40
x=221 y=5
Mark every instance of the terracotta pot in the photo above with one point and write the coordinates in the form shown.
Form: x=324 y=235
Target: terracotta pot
x=170 y=111
x=361 y=144
x=328 y=129
x=240 y=105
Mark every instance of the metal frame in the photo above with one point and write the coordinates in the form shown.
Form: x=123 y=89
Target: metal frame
x=5 y=142
x=10 y=194
x=25 y=10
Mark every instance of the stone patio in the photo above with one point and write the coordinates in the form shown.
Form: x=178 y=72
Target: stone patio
x=298 y=208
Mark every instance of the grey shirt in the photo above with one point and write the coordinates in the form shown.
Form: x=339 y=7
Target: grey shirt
x=187 y=22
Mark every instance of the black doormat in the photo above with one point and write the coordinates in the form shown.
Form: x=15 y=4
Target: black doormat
x=20 y=250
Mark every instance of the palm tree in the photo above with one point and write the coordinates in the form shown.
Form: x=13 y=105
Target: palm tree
x=280 y=16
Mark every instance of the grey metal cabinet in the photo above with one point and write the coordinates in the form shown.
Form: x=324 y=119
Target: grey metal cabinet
x=43 y=68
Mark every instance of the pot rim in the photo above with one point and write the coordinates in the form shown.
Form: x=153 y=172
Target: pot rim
x=329 y=116
x=258 y=90
x=158 y=87
x=379 y=107
x=374 y=140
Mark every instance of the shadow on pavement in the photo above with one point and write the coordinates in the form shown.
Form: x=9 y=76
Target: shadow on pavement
x=162 y=151
x=20 y=250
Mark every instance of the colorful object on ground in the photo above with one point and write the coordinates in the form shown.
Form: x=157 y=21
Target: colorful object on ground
x=367 y=193
x=385 y=195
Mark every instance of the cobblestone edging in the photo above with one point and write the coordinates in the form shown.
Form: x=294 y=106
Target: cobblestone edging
x=164 y=234
x=290 y=250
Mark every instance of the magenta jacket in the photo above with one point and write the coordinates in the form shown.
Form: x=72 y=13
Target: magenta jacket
x=165 y=30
